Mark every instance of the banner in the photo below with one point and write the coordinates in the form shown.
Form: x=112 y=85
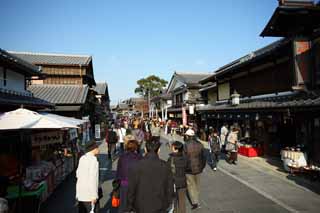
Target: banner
x=184 y=117
x=45 y=138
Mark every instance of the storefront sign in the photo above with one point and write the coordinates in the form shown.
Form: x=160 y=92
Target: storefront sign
x=97 y=131
x=184 y=116
x=45 y=138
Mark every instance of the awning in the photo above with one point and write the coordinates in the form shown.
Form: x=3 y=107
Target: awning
x=27 y=119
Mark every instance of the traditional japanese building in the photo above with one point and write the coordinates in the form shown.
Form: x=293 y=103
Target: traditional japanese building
x=184 y=90
x=15 y=75
x=61 y=68
x=273 y=93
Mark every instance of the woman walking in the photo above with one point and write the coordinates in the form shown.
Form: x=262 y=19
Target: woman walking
x=125 y=162
x=232 y=145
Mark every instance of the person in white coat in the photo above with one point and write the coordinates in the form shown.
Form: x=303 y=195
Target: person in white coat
x=88 y=180
x=223 y=136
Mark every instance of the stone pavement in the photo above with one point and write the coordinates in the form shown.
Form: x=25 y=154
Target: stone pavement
x=242 y=188
x=292 y=193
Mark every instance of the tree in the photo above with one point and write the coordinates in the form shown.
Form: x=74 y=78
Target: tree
x=152 y=83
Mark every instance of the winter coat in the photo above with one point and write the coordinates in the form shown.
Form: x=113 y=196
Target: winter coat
x=125 y=162
x=196 y=158
x=150 y=187
x=214 y=143
x=112 y=136
x=178 y=164
x=232 y=140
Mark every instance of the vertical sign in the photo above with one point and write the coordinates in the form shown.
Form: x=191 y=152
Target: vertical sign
x=97 y=131
x=184 y=116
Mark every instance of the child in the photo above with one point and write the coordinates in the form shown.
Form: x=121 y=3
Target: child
x=178 y=164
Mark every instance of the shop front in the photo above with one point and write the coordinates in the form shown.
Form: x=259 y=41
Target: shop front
x=42 y=155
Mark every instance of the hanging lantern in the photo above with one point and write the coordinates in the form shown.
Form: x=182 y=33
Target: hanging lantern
x=235 y=98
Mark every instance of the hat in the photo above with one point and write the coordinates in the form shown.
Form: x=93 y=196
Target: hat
x=189 y=132
x=92 y=146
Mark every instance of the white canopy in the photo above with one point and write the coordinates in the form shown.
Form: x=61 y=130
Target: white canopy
x=69 y=120
x=26 y=119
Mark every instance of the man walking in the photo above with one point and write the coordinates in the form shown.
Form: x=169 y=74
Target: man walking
x=88 y=180
x=150 y=182
x=195 y=153
x=112 y=142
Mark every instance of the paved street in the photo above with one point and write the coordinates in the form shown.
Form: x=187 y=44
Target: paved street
x=226 y=190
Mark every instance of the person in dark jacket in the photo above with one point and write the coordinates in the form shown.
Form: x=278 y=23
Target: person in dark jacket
x=125 y=162
x=214 y=148
x=196 y=159
x=150 y=187
x=178 y=164
x=112 y=142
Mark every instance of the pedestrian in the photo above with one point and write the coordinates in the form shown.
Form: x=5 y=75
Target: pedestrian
x=232 y=146
x=112 y=142
x=126 y=161
x=88 y=180
x=121 y=133
x=156 y=130
x=223 y=136
x=214 y=148
x=139 y=135
x=195 y=153
x=178 y=164
x=150 y=188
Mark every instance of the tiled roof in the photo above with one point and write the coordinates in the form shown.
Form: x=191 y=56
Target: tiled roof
x=17 y=61
x=247 y=59
x=61 y=94
x=53 y=59
x=17 y=100
x=191 y=77
x=101 y=88
x=293 y=100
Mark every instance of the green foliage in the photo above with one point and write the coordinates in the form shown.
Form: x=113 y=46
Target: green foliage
x=152 y=83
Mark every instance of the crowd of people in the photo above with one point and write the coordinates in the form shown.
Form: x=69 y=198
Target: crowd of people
x=145 y=183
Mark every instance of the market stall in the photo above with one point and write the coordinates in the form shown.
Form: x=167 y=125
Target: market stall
x=39 y=146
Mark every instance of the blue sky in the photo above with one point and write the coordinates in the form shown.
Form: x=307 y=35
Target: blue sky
x=131 y=39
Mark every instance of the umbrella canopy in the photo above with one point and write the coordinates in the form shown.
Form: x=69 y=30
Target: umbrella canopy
x=26 y=119
x=69 y=120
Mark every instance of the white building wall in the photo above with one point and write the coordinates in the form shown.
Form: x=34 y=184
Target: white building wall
x=15 y=81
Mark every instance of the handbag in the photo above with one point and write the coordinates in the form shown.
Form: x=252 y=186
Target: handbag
x=115 y=201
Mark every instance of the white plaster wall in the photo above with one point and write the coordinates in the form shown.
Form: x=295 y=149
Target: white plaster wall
x=15 y=81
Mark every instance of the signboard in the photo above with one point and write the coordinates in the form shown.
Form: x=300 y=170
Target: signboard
x=191 y=109
x=97 y=131
x=45 y=138
x=184 y=117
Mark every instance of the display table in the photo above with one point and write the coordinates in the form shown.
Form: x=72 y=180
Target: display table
x=30 y=200
x=250 y=151
x=13 y=191
x=293 y=159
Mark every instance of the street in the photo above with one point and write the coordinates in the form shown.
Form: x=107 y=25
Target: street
x=219 y=192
